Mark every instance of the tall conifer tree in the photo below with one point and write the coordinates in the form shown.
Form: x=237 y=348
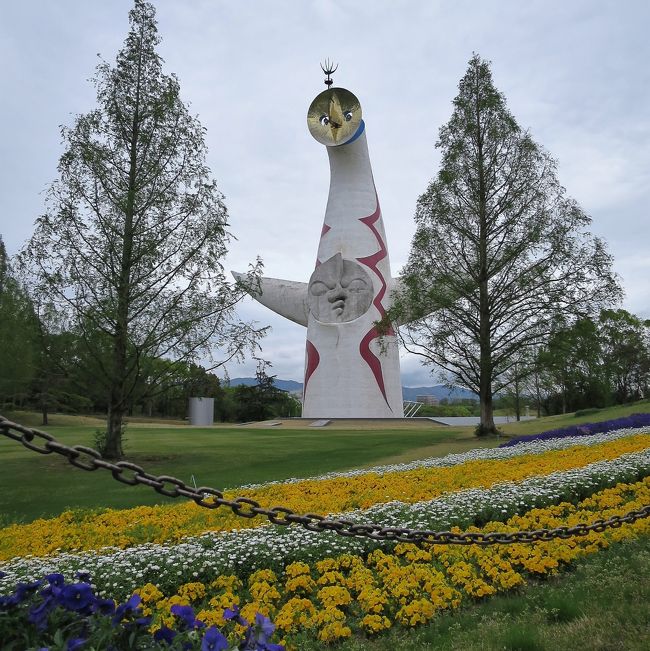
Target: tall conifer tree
x=500 y=251
x=132 y=244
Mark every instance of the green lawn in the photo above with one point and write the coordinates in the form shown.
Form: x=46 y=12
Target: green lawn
x=566 y=420
x=33 y=485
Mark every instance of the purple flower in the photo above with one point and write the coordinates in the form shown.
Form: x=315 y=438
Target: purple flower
x=635 y=420
x=75 y=643
x=82 y=575
x=77 y=597
x=38 y=614
x=233 y=613
x=186 y=614
x=129 y=607
x=23 y=590
x=104 y=606
x=9 y=601
x=213 y=640
x=265 y=627
x=56 y=579
x=256 y=637
x=164 y=634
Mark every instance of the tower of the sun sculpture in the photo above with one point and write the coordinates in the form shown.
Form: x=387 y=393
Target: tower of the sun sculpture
x=350 y=371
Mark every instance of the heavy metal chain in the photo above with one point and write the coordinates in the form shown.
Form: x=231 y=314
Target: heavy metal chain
x=129 y=473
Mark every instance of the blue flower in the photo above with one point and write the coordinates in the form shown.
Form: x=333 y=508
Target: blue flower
x=23 y=590
x=265 y=626
x=56 y=579
x=75 y=643
x=9 y=601
x=256 y=637
x=233 y=613
x=38 y=614
x=104 y=606
x=185 y=613
x=164 y=634
x=76 y=597
x=84 y=576
x=129 y=607
x=213 y=640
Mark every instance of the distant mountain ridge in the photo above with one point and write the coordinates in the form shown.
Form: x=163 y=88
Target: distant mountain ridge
x=440 y=391
x=285 y=385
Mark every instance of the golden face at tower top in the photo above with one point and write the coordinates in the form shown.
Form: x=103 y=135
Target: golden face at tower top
x=334 y=116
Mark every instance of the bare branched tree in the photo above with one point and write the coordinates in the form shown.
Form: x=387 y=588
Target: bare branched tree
x=500 y=250
x=132 y=244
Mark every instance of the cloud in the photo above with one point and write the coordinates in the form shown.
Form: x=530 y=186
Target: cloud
x=575 y=73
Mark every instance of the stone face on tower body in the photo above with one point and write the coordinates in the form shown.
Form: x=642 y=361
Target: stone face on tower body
x=350 y=372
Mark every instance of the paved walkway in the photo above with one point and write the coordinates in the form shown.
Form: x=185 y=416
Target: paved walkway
x=465 y=421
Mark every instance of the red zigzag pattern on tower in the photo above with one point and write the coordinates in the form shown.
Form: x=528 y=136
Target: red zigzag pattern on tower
x=371 y=262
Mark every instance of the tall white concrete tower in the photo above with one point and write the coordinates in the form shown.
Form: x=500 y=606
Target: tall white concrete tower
x=350 y=371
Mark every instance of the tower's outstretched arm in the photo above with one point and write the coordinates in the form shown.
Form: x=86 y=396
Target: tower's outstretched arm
x=287 y=298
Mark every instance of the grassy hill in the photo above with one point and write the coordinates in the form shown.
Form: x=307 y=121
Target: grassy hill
x=226 y=456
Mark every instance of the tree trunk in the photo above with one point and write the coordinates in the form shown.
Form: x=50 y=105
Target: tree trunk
x=517 y=398
x=538 y=394
x=485 y=346
x=487 y=412
x=113 y=446
x=117 y=398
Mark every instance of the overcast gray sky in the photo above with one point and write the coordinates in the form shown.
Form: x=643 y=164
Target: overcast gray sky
x=574 y=72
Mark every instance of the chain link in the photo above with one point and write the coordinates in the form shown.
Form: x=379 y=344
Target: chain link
x=211 y=498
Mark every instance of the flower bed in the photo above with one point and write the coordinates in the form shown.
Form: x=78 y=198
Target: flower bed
x=408 y=483
x=319 y=585
x=584 y=429
x=117 y=572
x=336 y=596
x=52 y=611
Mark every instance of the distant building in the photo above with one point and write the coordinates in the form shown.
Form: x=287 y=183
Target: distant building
x=432 y=401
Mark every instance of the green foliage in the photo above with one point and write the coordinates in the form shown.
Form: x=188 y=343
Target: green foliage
x=522 y=637
x=500 y=252
x=262 y=400
x=131 y=246
x=625 y=346
x=591 y=363
x=449 y=410
x=18 y=337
